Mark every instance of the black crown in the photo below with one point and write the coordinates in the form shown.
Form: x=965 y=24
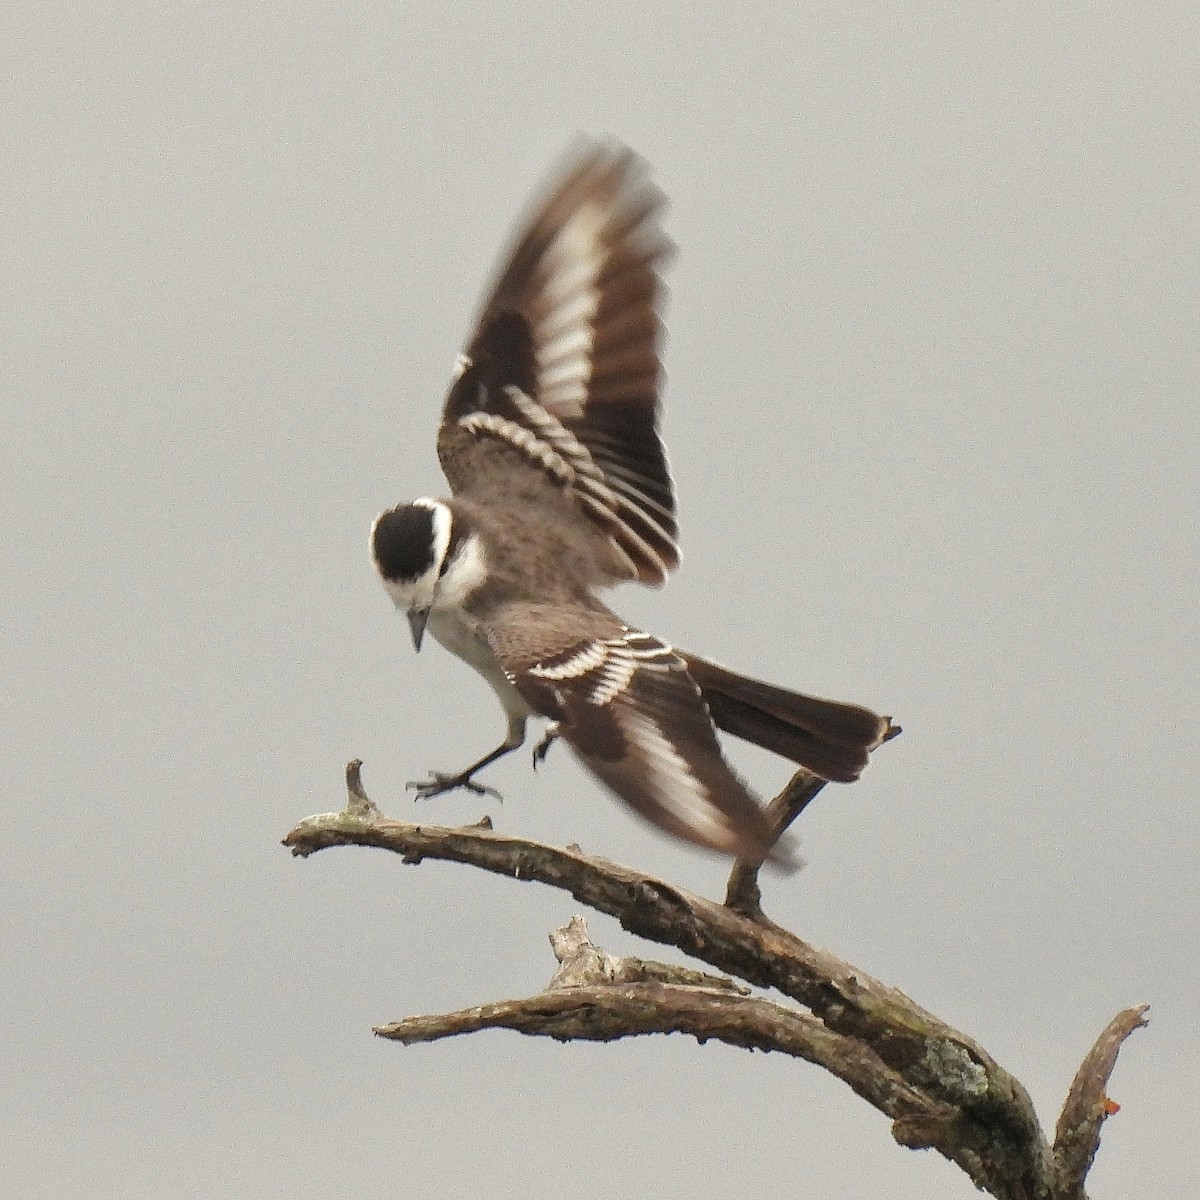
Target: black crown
x=403 y=542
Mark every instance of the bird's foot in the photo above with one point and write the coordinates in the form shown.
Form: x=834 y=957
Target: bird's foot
x=543 y=747
x=437 y=784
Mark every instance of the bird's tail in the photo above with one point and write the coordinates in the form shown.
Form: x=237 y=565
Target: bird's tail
x=831 y=739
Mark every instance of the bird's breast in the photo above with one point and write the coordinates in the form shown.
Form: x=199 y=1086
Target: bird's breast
x=460 y=635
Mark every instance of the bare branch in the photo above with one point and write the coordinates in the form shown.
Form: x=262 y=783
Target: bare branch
x=941 y=1088
x=742 y=892
x=760 y=952
x=609 y=1001
x=1087 y=1107
x=604 y=1012
x=582 y=962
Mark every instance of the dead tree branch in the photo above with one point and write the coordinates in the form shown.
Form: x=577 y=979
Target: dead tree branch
x=597 y=997
x=941 y=1089
x=1077 y=1134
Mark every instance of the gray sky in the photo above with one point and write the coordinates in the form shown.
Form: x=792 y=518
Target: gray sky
x=931 y=409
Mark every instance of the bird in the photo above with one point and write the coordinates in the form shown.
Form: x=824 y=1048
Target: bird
x=560 y=488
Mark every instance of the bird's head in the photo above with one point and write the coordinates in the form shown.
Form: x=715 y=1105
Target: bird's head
x=426 y=559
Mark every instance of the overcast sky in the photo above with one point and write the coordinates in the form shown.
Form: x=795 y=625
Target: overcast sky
x=933 y=364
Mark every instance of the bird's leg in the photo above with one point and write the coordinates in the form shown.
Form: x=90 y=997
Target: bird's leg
x=543 y=747
x=439 y=782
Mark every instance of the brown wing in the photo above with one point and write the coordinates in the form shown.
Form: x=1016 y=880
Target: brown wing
x=632 y=714
x=559 y=385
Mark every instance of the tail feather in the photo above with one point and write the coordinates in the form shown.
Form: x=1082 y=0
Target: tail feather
x=831 y=739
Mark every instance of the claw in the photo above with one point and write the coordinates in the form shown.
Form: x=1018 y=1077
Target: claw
x=437 y=784
x=543 y=747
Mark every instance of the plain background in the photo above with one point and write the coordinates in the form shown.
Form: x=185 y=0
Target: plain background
x=931 y=409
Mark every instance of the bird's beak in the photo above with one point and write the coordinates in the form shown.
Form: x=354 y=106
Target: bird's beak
x=416 y=622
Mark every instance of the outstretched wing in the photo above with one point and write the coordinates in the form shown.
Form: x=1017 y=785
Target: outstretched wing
x=557 y=392
x=632 y=714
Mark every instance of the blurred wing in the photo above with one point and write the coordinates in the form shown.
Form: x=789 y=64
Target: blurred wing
x=631 y=713
x=559 y=385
